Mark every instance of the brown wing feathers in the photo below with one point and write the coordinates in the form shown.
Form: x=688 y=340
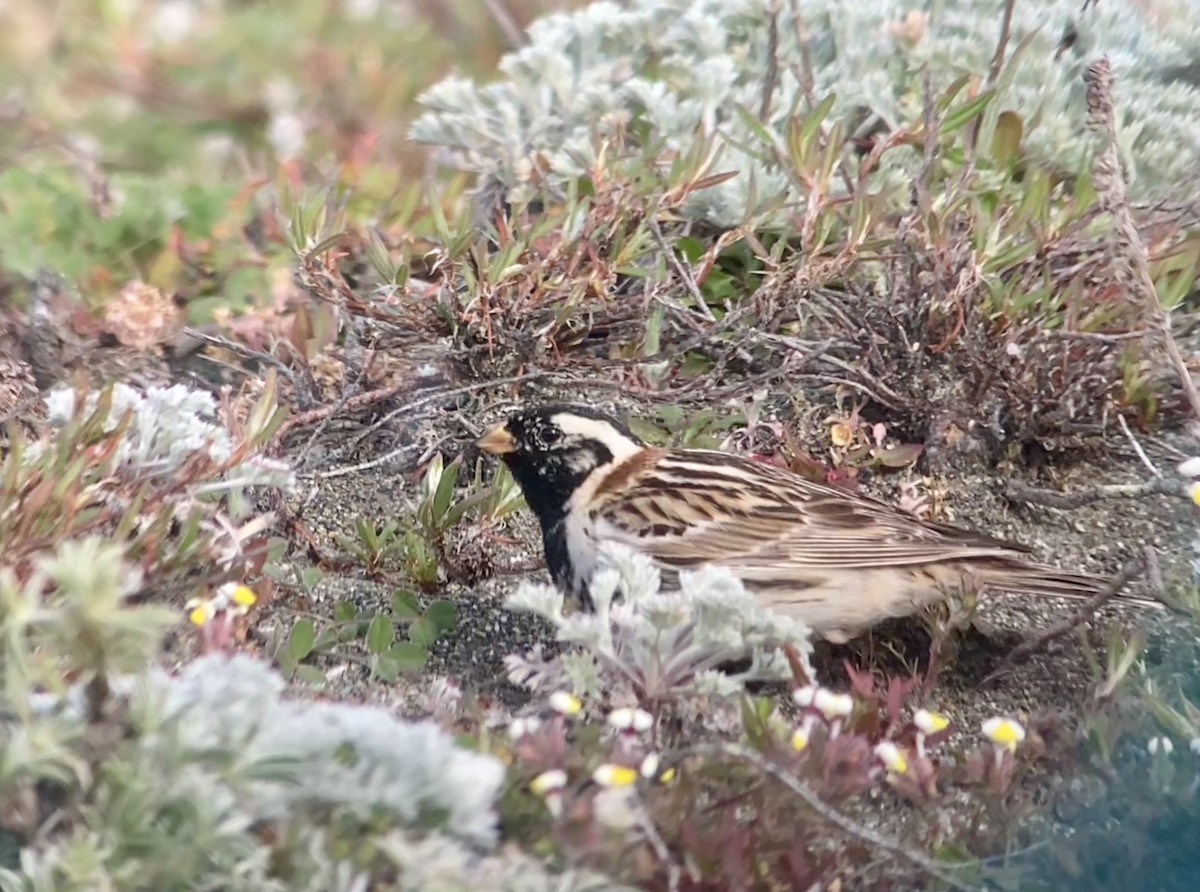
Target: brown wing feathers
x=723 y=505
x=689 y=507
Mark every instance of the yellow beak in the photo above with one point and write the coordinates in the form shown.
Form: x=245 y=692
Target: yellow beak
x=497 y=441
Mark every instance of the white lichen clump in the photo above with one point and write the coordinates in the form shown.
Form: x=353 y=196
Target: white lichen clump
x=680 y=70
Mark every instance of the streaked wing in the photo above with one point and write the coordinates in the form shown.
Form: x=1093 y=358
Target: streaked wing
x=688 y=507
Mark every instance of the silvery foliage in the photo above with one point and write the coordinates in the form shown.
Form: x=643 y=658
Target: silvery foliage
x=291 y=754
x=680 y=69
x=440 y=864
x=169 y=425
x=360 y=758
x=671 y=639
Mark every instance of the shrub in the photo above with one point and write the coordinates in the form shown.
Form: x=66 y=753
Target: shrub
x=659 y=74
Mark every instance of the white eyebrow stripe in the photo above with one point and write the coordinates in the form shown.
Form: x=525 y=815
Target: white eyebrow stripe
x=612 y=439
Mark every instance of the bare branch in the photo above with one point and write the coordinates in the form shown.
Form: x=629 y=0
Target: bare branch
x=1137 y=447
x=772 y=76
x=1131 y=260
x=1002 y=46
x=1020 y=492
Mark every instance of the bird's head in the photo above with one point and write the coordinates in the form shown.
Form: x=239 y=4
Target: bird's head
x=552 y=449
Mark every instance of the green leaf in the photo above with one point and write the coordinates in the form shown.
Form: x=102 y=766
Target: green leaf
x=423 y=632
x=443 y=615
x=300 y=642
x=409 y=657
x=367 y=534
x=345 y=611
x=755 y=126
x=444 y=492
x=310 y=576
x=967 y=112
x=1006 y=138
x=386 y=668
x=380 y=634
x=311 y=675
x=405 y=605
x=813 y=121
x=952 y=92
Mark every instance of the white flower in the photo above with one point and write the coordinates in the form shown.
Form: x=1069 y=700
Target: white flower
x=565 y=703
x=609 y=775
x=892 y=757
x=1005 y=733
x=833 y=706
x=626 y=719
x=1160 y=744
x=525 y=725
x=930 y=722
x=287 y=135
x=1190 y=468
x=548 y=782
x=803 y=697
x=173 y=20
x=649 y=769
x=548 y=787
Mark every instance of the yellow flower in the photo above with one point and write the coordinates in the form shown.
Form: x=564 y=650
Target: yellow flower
x=232 y=598
x=548 y=782
x=841 y=434
x=649 y=769
x=930 y=722
x=1005 y=733
x=615 y=776
x=1194 y=491
x=566 y=703
x=800 y=739
x=892 y=757
x=831 y=705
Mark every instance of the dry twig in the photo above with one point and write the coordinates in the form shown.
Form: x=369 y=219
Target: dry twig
x=1131 y=259
x=1020 y=492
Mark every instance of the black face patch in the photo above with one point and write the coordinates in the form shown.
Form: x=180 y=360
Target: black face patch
x=549 y=464
x=535 y=431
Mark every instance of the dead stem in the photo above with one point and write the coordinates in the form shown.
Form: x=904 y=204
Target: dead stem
x=1130 y=262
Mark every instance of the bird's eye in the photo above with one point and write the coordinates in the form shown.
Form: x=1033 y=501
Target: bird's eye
x=551 y=435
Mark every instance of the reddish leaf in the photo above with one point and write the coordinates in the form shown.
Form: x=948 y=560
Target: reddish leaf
x=898 y=691
x=799 y=675
x=861 y=681
x=774 y=459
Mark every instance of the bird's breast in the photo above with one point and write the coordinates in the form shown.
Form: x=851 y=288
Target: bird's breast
x=571 y=554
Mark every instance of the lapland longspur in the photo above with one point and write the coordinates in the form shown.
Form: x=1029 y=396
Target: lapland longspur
x=841 y=562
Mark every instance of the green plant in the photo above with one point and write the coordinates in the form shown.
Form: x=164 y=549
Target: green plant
x=396 y=640
x=426 y=545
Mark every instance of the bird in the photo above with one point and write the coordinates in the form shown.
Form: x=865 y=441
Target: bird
x=840 y=561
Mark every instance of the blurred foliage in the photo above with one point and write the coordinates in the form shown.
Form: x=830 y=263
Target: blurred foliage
x=151 y=138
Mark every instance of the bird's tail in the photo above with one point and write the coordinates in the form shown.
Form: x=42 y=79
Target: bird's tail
x=1045 y=581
